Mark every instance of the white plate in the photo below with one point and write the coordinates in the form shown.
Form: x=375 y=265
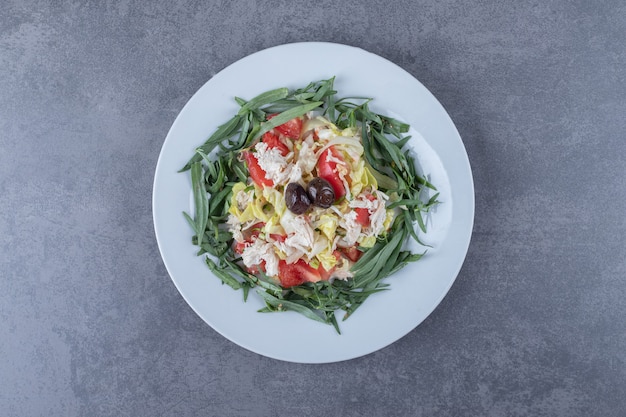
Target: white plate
x=415 y=291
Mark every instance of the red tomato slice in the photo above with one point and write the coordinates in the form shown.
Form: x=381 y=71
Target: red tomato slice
x=324 y=274
x=256 y=172
x=240 y=246
x=328 y=170
x=352 y=253
x=277 y=237
x=273 y=142
x=254 y=231
x=291 y=129
x=363 y=214
x=296 y=273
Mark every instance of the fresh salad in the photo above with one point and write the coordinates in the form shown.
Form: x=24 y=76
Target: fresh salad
x=308 y=198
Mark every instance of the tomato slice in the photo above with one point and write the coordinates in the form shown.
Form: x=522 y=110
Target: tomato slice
x=273 y=142
x=256 y=172
x=352 y=253
x=327 y=169
x=296 y=273
x=363 y=214
x=277 y=237
x=291 y=129
x=240 y=246
x=254 y=231
x=324 y=274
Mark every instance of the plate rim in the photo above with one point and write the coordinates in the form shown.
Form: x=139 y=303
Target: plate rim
x=470 y=214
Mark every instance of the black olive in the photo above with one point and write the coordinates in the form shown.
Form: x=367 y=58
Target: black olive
x=321 y=192
x=296 y=198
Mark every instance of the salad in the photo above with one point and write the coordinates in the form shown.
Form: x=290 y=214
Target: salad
x=308 y=198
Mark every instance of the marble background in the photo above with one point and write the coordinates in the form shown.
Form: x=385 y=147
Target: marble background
x=92 y=325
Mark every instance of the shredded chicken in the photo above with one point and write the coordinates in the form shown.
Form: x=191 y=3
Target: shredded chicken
x=234 y=227
x=379 y=214
x=276 y=166
x=310 y=235
x=300 y=236
x=259 y=251
x=353 y=230
x=307 y=156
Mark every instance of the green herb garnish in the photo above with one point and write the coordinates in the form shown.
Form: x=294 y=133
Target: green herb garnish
x=215 y=168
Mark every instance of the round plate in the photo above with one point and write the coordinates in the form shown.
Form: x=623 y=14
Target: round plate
x=414 y=291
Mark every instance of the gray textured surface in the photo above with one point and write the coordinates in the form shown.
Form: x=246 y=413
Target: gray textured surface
x=91 y=324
